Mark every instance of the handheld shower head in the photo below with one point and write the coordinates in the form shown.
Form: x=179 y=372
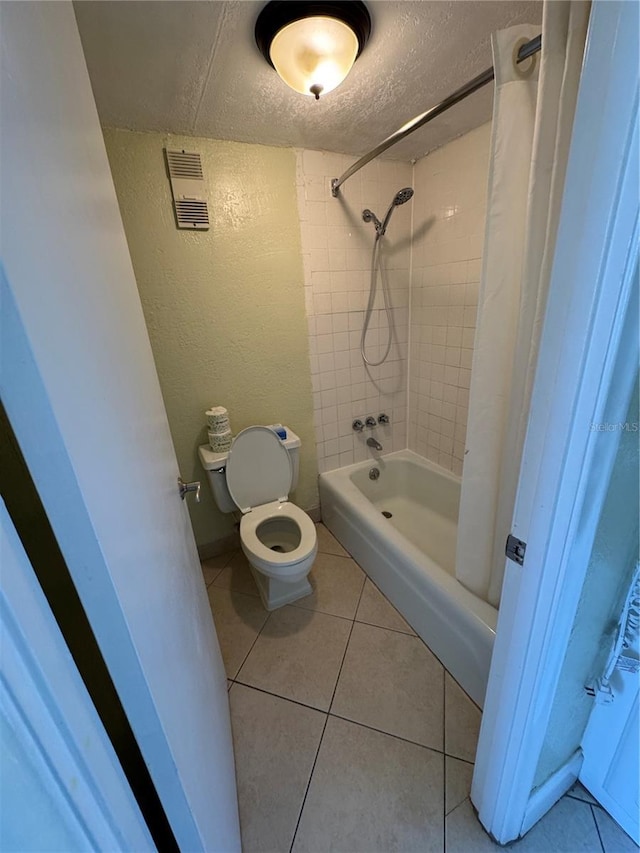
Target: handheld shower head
x=402 y=196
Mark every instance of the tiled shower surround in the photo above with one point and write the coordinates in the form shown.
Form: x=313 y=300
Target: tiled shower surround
x=432 y=254
x=336 y=247
x=448 y=233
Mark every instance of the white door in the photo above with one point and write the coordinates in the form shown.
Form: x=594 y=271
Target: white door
x=611 y=744
x=81 y=392
x=586 y=371
x=57 y=761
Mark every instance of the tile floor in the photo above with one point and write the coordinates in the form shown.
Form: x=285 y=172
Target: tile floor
x=349 y=734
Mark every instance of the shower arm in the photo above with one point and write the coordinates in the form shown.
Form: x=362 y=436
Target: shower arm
x=469 y=88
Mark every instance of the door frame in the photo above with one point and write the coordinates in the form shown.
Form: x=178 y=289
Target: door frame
x=81 y=393
x=589 y=335
x=48 y=716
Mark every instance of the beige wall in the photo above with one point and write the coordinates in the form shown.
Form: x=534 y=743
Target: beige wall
x=224 y=308
x=448 y=229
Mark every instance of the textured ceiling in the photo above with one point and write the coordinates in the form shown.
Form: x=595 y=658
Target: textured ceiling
x=193 y=68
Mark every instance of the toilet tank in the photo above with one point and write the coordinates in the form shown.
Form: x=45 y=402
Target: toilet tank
x=215 y=466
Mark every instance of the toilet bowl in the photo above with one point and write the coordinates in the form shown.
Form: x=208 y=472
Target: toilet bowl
x=277 y=537
x=280 y=540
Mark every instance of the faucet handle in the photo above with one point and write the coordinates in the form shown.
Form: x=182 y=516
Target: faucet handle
x=383 y=419
x=370 y=421
x=357 y=425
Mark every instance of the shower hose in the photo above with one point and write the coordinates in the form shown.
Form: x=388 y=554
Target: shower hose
x=376 y=264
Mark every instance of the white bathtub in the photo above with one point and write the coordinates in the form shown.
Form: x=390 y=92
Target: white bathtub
x=411 y=556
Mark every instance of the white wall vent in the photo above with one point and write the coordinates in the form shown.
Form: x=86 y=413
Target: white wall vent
x=187 y=186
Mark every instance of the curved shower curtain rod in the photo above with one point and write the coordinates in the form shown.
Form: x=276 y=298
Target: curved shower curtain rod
x=527 y=50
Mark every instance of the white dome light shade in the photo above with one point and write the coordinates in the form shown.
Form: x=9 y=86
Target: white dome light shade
x=314 y=55
x=312 y=44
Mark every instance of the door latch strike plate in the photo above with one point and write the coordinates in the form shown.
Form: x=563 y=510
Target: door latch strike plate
x=515 y=549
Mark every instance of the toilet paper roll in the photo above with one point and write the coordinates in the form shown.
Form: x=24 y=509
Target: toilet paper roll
x=219 y=435
x=220 y=427
x=220 y=442
x=217 y=419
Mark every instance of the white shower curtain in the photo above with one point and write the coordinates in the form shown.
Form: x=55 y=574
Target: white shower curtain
x=534 y=105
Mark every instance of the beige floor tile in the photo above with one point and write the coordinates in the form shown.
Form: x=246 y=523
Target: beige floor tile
x=327 y=542
x=237 y=576
x=298 y=656
x=614 y=839
x=275 y=744
x=372 y=793
x=462 y=722
x=337 y=583
x=465 y=834
x=457 y=782
x=238 y=619
x=392 y=682
x=374 y=609
x=212 y=567
x=568 y=828
x=579 y=792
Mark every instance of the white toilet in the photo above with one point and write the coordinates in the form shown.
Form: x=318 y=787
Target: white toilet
x=278 y=538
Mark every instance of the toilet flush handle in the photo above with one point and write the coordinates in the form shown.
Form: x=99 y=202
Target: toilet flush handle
x=184 y=488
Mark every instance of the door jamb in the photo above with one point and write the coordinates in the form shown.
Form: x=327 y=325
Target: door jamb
x=590 y=330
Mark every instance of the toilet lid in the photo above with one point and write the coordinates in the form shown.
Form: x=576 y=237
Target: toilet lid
x=258 y=468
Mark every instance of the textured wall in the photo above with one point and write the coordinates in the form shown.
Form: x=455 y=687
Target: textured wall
x=448 y=232
x=337 y=248
x=224 y=308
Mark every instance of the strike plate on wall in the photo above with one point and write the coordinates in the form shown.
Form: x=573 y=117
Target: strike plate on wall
x=515 y=549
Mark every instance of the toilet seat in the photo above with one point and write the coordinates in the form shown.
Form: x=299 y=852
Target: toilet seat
x=259 y=478
x=258 y=469
x=281 y=564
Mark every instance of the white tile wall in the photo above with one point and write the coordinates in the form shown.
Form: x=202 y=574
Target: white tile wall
x=448 y=230
x=432 y=254
x=337 y=247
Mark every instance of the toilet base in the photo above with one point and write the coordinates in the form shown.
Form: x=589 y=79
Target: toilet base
x=276 y=593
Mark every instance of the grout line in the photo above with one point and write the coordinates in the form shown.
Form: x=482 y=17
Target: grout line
x=244 y=660
x=444 y=763
x=349 y=720
x=306 y=792
x=393 y=630
x=304 y=799
x=409 y=313
x=279 y=696
x=346 y=556
x=232 y=591
x=352 y=619
x=316 y=610
x=226 y=566
x=415 y=634
x=346 y=648
x=597 y=827
x=391 y=734
x=579 y=799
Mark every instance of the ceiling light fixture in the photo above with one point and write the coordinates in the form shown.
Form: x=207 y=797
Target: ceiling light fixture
x=312 y=45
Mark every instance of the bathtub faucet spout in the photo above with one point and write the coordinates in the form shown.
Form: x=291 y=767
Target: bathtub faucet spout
x=371 y=442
